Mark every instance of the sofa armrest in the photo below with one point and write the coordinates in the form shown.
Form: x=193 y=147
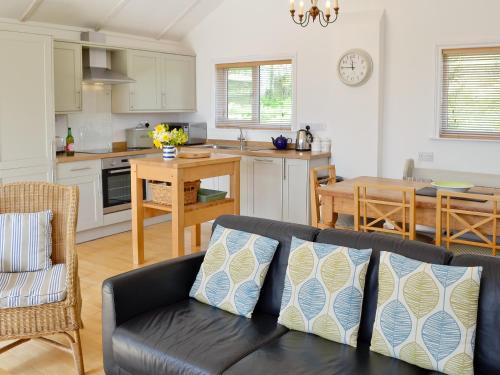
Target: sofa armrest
x=130 y=294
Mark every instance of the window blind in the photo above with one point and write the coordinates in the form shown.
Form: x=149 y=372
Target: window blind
x=254 y=94
x=470 y=99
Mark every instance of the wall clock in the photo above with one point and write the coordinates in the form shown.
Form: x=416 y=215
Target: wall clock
x=355 y=67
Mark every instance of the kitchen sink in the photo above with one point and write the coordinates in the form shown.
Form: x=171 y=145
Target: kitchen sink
x=229 y=147
x=220 y=147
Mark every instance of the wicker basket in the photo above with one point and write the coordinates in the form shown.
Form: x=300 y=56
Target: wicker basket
x=161 y=192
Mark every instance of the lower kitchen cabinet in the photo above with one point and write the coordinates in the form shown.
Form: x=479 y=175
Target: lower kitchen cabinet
x=272 y=188
x=277 y=188
x=87 y=176
x=38 y=173
x=265 y=187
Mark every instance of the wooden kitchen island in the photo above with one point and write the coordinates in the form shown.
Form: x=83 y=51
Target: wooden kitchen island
x=178 y=171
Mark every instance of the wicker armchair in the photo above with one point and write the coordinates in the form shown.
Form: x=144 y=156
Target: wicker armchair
x=35 y=322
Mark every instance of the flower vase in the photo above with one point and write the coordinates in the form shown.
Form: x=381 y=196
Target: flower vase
x=169 y=152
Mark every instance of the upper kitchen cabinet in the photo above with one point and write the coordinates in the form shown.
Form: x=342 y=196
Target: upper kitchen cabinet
x=163 y=82
x=179 y=74
x=67 y=77
x=26 y=105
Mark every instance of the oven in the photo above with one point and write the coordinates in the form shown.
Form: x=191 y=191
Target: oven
x=116 y=184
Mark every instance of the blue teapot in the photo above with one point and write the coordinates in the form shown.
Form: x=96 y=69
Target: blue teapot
x=281 y=143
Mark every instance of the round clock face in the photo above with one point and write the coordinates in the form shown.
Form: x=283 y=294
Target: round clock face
x=355 y=67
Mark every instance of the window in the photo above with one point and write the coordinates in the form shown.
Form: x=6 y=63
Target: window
x=470 y=93
x=255 y=94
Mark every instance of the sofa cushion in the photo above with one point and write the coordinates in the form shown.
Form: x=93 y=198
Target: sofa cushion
x=233 y=271
x=426 y=314
x=302 y=353
x=488 y=319
x=25 y=241
x=25 y=289
x=272 y=290
x=377 y=242
x=323 y=292
x=189 y=337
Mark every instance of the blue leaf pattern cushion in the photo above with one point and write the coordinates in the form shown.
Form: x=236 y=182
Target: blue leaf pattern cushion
x=323 y=291
x=233 y=271
x=426 y=314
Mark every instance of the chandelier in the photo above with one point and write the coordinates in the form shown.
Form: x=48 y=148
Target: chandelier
x=325 y=18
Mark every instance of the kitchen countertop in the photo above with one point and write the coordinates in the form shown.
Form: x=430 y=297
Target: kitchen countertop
x=258 y=149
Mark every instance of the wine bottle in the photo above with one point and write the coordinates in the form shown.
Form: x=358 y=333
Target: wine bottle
x=70 y=144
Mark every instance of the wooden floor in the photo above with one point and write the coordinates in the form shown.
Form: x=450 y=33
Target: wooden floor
x=98 y=260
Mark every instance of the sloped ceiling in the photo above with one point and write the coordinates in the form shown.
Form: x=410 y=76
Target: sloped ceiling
x=159 y=19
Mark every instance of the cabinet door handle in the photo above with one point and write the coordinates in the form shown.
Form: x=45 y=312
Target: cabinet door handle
x=78 y=99
x=264 y=160
x=163 y=97
x=284 y=168
x=79 y=169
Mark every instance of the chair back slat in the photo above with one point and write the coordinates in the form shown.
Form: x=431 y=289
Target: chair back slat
x=372 y=208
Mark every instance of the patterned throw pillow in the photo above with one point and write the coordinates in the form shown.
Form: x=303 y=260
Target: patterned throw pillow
x=25 y=241
x=234 y=270
x=426 y=313
x=323 y=292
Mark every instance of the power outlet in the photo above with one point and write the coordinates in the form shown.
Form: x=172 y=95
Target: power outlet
x=315 y=126
x=426 y=156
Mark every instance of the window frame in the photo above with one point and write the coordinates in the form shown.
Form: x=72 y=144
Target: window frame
x=256 y=62
x=438 y=134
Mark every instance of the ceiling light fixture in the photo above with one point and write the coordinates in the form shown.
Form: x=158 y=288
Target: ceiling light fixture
x=325 y=18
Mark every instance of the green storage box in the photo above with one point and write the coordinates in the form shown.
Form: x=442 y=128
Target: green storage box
x=208 y=195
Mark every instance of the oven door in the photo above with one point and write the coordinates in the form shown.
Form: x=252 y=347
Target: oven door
x=116 y=189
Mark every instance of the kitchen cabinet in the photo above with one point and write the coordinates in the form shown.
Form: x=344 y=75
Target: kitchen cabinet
x=163 y=82
x=179 y=73
x=277 y=188
x=27 y=107
x=87 y=176
x=67 y=77
x=265 y=187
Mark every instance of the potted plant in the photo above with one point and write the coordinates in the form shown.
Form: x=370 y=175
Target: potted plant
x=168 y=140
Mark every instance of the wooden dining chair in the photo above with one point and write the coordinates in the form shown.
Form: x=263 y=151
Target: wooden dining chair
x=316 y=203
x=371 y=211
x=467 y=227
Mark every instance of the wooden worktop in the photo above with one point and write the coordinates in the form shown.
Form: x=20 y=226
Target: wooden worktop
x=179 y=163
x=262 y=149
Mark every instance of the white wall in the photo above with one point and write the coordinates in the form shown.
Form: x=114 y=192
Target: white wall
x=350 y=117
x=405 y=91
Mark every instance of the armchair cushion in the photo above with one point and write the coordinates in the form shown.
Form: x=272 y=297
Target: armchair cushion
x=25 y=241
x=23 y=289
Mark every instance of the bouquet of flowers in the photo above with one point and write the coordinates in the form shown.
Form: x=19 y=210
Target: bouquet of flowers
x=162 y=136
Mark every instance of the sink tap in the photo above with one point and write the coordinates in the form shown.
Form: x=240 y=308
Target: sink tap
x=242 y=140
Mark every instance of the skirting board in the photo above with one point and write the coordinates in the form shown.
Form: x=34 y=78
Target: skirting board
x=108 y=230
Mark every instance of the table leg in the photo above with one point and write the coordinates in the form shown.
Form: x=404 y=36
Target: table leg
x=178 y=215
x=196 y=238
x=137 y=217
x=234 y=191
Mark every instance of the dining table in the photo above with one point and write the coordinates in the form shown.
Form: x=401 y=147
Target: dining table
x=338 y=199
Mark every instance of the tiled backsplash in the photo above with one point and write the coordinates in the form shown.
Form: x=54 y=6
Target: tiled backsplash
x=96 y=127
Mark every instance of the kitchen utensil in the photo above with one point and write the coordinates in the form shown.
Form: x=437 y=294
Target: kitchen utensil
x=456 y=186
x=304 y=139
x=281 y=143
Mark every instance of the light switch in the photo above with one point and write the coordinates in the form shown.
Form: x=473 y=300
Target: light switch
x=426 y=156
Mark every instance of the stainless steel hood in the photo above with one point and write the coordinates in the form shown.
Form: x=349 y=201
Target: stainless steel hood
x=97 y=64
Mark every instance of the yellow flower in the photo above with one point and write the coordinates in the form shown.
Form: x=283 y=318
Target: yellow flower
x=157 y=143
x=159 y=128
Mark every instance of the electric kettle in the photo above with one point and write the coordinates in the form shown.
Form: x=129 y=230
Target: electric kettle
x=304 y=139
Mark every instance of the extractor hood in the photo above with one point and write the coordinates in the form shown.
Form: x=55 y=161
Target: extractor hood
x=96 y=64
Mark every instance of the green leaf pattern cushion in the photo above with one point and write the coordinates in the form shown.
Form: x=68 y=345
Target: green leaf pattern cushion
x=233 y=270
x=323 y=290
x=426 y=313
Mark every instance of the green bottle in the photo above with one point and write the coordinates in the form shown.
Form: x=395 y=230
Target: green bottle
x=70 y=144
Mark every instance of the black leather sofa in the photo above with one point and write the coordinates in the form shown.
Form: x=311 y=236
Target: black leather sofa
x=151 y=326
